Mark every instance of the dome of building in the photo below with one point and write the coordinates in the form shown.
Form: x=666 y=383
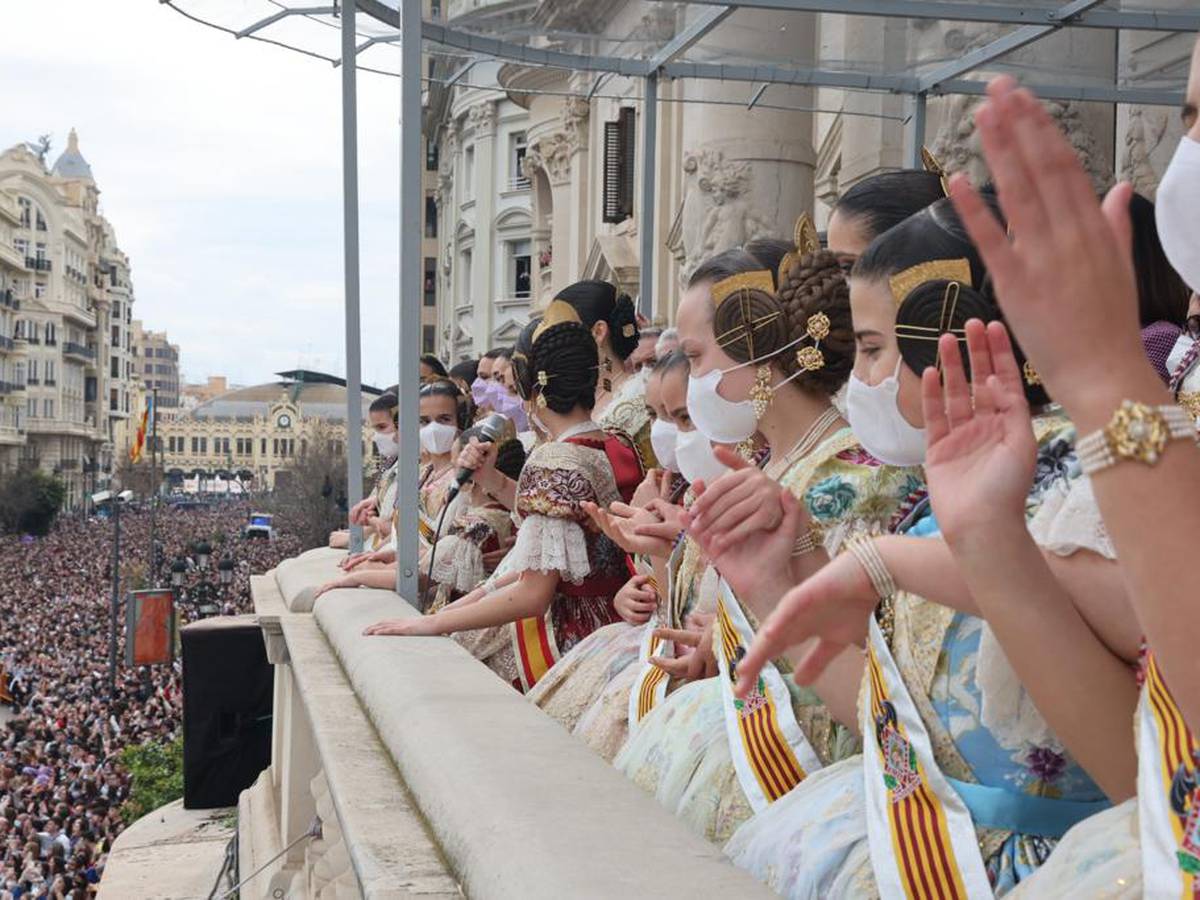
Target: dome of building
x=71 y=163
x=317 y=394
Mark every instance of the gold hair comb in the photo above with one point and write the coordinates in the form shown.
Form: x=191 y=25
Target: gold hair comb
x=933 y=167
x=760 y=280
x=904 y=283
x=557 y=312
x=805 y=240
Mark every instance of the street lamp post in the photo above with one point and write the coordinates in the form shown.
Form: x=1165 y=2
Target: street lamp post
x=205 y=594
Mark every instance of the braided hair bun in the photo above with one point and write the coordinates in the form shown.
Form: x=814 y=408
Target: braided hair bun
x=940 y=306
x=510 y=458
x=566 y=353
x=598 y=301
x=753 y=324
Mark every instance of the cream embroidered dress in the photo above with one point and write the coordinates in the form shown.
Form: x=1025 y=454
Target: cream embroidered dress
x=983 y=730
x=681 y=752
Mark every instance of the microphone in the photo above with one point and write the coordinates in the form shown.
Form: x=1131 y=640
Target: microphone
x=492 y=429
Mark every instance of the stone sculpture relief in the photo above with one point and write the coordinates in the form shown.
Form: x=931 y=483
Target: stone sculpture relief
x=718 y=212
x=1148 y=147
x=482 y=118
x=551 y=154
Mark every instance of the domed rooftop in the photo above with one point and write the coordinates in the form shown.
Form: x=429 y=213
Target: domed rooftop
x=316 y=393
x=71 y=163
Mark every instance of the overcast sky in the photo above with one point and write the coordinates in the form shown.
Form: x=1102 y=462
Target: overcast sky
x=219 y=165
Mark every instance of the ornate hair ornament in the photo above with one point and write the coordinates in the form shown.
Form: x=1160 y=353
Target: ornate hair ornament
x=810 y=359
x=933 y=167
x=1030 y=374
x=629 y=329
x=557 y=312
x=805 y=241
x=543 y=379
x=904 y=283
x=740 y=287
x=945 y=321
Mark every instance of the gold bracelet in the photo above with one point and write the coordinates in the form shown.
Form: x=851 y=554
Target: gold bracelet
x=809 y=542
x=1136 y=431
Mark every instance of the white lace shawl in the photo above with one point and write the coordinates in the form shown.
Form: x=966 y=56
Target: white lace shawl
x=546 y=544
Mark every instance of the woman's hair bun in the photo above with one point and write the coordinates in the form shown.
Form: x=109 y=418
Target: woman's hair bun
x=567 y=354
x=815 y=297
x=937 y=307
x=623 y=330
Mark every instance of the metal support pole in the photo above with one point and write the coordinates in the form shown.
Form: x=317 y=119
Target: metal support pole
x=411 y=207
x=115 y=500
x=646 y=229
x=354 y=451
x=153 y=484
x=914 y=130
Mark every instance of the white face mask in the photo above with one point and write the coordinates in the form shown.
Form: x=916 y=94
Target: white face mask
x=663 y=437
x=386 y=444
x=1177 y=211
x=720 y=420
x=694 y=454
x=1183 y=344
x=877 y=423
x=437 y=438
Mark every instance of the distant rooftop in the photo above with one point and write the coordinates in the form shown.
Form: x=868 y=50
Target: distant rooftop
x=71 y=163
x=319 y=394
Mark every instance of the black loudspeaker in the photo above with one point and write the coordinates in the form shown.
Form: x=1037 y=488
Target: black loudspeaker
x=228 y=693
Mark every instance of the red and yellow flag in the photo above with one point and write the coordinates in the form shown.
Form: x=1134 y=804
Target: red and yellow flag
x=139 y=442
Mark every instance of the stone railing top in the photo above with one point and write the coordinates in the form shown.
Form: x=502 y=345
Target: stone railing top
x=519 y=807
x=298 y=578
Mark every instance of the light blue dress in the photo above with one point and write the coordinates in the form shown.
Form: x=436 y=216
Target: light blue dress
x=813 y=842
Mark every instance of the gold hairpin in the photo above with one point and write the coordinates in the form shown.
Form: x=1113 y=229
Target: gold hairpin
x=741 y=286
x=629 y=330
x=1032 y=378
x=904 y=283
x=810 y=359
x=557 y=312
x=805 y=240
x=934 y=167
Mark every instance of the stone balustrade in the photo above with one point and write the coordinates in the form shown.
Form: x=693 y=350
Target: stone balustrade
x=432 y=778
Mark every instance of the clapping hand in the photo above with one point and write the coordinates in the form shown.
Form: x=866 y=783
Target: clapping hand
x=620 y=523
x=981 y=456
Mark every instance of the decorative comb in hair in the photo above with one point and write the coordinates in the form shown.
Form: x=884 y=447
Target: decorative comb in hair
x=557 y=312
x=904 y=283
x=933 y=167
x=805 y=241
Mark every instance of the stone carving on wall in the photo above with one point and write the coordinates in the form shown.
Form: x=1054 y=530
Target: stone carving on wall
x=1147 y=152
x=574 y=117
x=551 y=154
x=956 y=144
x=482 y=118
x=718 y=212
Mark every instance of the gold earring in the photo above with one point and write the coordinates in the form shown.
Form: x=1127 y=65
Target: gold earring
x=541 y=401
x=761 y=393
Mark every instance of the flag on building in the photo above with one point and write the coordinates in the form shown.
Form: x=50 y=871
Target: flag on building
x=139 y=442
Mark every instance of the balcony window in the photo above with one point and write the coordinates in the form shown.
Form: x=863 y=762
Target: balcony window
x=26 y=206
x=430 y=283
x=431 y=216
x=428 y=338
x=41 y=221
x=469 y=172
x=48 y=408
x=520 y=267
x=517 y=148
x=431 y=156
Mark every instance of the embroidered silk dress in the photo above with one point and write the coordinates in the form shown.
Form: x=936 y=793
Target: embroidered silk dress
x=681 y=752
x=813 y=842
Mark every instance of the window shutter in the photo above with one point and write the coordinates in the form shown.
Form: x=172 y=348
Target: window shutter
x=619 y=144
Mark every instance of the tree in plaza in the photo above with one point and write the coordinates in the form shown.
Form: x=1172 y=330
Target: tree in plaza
x=29 y=501
x=310 y=494
x=137 y=477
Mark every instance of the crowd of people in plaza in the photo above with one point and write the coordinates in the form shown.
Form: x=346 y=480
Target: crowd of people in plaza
x=62 y=785
x=866 y=568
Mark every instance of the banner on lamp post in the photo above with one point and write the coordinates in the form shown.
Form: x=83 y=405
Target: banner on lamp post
x=150 y=628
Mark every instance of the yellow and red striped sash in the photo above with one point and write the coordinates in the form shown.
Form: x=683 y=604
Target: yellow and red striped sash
x=770 y=751
x=922 y=838
x=535 y=648
x=650 y=687
x=1168 y=793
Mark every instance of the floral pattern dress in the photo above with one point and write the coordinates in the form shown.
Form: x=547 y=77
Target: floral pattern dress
x=680 y=752
x=813 y=842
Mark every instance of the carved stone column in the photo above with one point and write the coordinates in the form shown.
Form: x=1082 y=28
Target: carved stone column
x=481 y=123
x=749 y=172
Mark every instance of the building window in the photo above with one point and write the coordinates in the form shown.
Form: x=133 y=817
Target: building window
x=39 y=289
x=149 y=368
x=431 y=216
x=263 y=450
x=428 y=338
x=430 y=285
x=114 y=367
x=31 y=408
x=33 y=371
x=21 y=246
x=516 y=155
x=465 y=281
x=431 y=156
x=469 y=172
x=41 y=221
x=50 y=375
x=114 y=404
x=26 y=206
x=116 y=336
x=520 y=267
x=48 y=408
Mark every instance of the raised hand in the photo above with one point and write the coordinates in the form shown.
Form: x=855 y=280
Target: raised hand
x=833 y=606
x=740 y=502
x=981 y=457
x=1069 y=259
x=620 y=522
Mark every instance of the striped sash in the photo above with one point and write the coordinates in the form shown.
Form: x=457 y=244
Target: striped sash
x=535 y=648
x=650 y=686
x=771 y=754
x=1168 y=793
x=921 y=835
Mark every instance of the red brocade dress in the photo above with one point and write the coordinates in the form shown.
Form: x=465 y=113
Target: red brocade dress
x=557 y=535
